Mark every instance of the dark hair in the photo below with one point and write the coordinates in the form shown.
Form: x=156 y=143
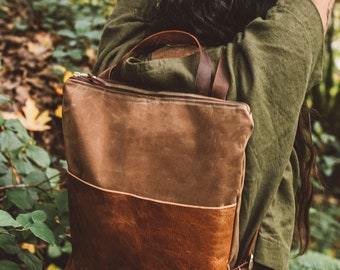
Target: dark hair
x=213 y=22
x=307 y=153
x=216 y=22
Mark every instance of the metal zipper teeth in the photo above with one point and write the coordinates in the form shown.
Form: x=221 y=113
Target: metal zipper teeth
x=127 y=89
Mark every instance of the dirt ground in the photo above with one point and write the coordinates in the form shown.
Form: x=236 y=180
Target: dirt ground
x=28 y=70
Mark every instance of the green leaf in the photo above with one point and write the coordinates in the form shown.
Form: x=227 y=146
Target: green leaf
x=6 y=179
x=59 y=54
x=31 y=261
x=10 y=142
x=20 y=131
x=53 y=175
x=5 y=99
x=67 y=248
x=3 y=158
x=38 y=155
x=9 y=244
x=2 y=120
x=8 y=265
x=6 y=220
x=61 y=200
x=20 y=26
x=3 y=169
x=23 y=167
x=21 y=198
x=39 y=216
x=93 y=35
x=41 y=231
x=54 y=251
x=66 y=33
x=82 y=25
x=37 y=178
x=63 y=164
x=35 y=193
x=75 y=54
x=98 y=21
x=25 y=219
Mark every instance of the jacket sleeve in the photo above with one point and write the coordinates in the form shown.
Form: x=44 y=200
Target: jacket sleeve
x=127 y=25
x=272 y=66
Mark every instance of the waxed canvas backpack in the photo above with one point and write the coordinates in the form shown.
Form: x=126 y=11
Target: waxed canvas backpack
x=155 y=176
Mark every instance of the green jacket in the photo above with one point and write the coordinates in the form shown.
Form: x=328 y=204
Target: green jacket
x=272 y=66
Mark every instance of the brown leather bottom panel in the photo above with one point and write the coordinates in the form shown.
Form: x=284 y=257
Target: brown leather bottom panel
x=119 y=231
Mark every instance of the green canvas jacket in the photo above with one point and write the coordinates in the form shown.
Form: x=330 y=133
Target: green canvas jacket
x=272 y=65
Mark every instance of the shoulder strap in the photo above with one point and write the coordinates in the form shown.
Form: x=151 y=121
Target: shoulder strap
x=249 y=264
x=220 y=85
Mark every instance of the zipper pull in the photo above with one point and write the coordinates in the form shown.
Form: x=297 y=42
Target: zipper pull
x=90 y=77
x=80 y=74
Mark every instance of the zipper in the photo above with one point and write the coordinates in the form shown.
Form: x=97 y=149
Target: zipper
x=90 y=78
x=123 y=88
x=80 y=74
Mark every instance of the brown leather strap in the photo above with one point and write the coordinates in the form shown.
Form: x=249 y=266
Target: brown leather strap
x=221 y=82
x=243 y=266
x=253 y=242
x=107 y=73
x=250 y=261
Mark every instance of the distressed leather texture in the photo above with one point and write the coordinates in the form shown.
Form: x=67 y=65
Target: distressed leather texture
x=175 y=150
x=137 y=233
x=155 y=178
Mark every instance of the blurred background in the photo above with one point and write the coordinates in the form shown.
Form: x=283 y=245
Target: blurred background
x=42 y=42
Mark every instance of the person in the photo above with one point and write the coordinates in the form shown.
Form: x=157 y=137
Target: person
x=273 y=52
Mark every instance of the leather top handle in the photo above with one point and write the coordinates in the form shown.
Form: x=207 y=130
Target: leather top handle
x=157 y=40
x=203 y=75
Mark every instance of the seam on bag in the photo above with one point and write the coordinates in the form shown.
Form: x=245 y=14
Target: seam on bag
x=150 y=199
x=166 y=96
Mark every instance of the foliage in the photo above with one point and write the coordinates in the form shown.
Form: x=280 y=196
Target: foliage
x=34 y=227
x=328 y=157
x=325 y=212
x=325 y=99
x=75 y=24
x=78 y=24
x=325 y=229
x=34 y=216
x=314 y=261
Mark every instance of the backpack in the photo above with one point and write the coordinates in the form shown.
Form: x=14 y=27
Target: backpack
x=155 y=177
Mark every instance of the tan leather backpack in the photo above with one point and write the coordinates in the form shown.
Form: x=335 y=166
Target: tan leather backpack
x=155 y=177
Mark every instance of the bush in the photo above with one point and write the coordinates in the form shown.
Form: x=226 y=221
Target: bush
x=314 y=261
x=34 y=223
